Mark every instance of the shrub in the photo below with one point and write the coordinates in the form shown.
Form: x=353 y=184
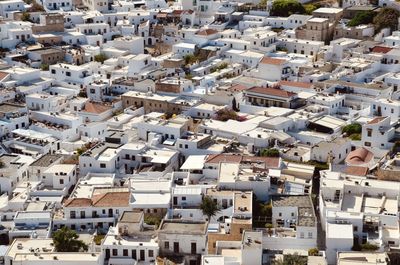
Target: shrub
x=386 y=18
x=26 y=17
x=226 y=114
x=313 y=252
x=270 y=152
x=97 y=239
x=100 y=58
x=355 y=137
x=369 y=247
x=190 y=59
x=364 y=17
x=309 y=8
x=285 y=8
x=352 y=128
x=44 y=67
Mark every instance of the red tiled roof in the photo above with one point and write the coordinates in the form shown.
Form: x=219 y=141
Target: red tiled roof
x=381 y=49
x=237 y=87
x=96 y=107
x=270 y=162
x=275 y=61
x=109 y=199
x=295 y=84
x=272 y=92
x=78 y=202
x=3 y=75
x=207 y=32
x=188 y=11
x=359 y=156
x=177 y=12
x=376 y=120
x=356 y=171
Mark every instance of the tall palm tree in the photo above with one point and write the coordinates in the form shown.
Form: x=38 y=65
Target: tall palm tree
x=209 y=207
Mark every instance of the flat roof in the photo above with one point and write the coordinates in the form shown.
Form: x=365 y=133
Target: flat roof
x=131 y=217
x=183 y=227
x=340 y=231
x=194 y=162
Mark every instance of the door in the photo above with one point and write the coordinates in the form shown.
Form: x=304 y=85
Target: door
x=142 y=255
x=176 y=247
x=175 y=200
x=134 y=254
x=193 y=248
x=107 y=254
x=110 y=212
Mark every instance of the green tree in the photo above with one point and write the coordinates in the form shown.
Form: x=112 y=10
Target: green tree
x=285 y=8
x=352 y=128
x=66 y=240
x=190 y=59
x=270 y=152
x=386 y=18
x=363 y=17
x=309 y=8
x=100 y=58
x=209 y=207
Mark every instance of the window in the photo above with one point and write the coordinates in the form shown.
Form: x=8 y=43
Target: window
x=68 y=73
x=301 y=234
x=367 y=144
x=72 y=214
x=369 y=132
x=102 y=165
x=115 y=252
x=166 y=244
x=92 y=91
x=151 y=253
x=309 y=234
x=61 y=181
x=53 y=71
x=125 y=252
x=183 y=198
x=280 y=214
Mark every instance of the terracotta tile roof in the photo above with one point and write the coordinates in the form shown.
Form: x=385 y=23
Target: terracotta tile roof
x=376 y=120
x=381 y=49
x=272 y=92
x=207 y=32
x=3 y=75
x=275 y=61
x=359 y=156
x=295 y=84
x=109 y=199
x=96 y=107
x=177 y=12
x=78 y=202
x=215 y=159
x=357 y=171
x=188 y=11
x=270 y=162
x=237 y=87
